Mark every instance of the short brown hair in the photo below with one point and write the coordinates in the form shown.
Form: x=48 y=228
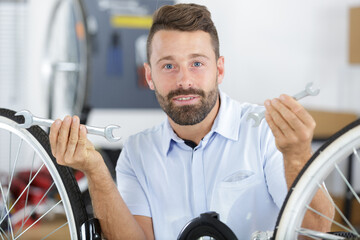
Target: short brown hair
x=183 y=17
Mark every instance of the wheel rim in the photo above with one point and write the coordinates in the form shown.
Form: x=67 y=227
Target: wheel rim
x=65 y=66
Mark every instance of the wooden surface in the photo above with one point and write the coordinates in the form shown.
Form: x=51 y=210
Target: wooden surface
x=43 y=228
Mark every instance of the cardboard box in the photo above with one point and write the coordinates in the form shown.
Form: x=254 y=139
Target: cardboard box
x=354 y=35
x=328 y=123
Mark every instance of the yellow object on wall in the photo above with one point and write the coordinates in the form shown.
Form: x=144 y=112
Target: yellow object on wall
x=143 y=22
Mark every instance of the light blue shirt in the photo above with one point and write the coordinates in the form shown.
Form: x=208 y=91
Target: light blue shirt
x=236 y=171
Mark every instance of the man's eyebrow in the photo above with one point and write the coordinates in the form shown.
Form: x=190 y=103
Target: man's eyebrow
x=165 y=58
x=194 y=55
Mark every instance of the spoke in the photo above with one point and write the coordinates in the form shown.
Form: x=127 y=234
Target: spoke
x=11 y=179
x=28 y=191
x=316 y=234
x=21 y=194
x=13 y=170
x=338 y=210
x=39 y=219
x=55 y=231
x=9 y=187
x=347 y=183
x=11 y=228
x=7 y=198
x=331 y=220
x=3 y=233
x=38 y=204
x=7 y=210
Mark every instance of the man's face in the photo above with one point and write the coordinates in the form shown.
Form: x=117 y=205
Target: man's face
x=184 y=74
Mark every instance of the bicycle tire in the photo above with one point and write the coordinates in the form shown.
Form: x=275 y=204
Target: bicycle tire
x=338 y=147
x=62 y=176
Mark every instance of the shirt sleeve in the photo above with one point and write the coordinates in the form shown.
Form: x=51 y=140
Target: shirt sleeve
x=129 y=185
x=274 y=170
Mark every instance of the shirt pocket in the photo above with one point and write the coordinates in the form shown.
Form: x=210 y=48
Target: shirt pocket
x=238 y=179
x=235 y=193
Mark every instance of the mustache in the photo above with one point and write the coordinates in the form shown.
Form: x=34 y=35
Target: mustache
x=181 y=91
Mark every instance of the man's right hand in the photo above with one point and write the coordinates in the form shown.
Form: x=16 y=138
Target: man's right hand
x=70 y=146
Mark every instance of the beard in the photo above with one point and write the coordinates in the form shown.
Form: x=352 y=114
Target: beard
x=188 y=114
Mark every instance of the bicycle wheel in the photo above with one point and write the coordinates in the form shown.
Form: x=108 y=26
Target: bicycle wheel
x=325 y=166
x=66 y=58
x=34 y=189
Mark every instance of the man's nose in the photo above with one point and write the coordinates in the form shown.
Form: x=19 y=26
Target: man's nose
x=184 y=79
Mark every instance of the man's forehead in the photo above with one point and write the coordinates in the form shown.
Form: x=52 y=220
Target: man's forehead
x=170 y=44
x=167 y=33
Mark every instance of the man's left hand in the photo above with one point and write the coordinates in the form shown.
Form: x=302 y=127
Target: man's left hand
x=293 y=128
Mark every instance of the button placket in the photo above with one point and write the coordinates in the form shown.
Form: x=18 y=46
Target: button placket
x=199 y=186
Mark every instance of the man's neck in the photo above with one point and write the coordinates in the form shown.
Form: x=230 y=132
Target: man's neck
x=198 y=131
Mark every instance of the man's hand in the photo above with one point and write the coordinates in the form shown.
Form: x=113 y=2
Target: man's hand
x=293 y=128
x=70 y=146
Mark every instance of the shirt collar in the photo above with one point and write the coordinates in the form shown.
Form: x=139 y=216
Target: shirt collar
x=227 y=124
x=227 y=121
x=169 y=136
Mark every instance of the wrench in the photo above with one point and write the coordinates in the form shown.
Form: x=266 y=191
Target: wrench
x=31 y=120
x=308 y=91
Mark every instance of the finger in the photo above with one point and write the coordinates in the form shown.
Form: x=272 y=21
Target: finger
x=73 y=138
x=289 y=119
x=54 y=131
x=81 y=144
x=297 y=109
x=269 y=119
x=63 y=136
x=278 y=119
x=306 y=128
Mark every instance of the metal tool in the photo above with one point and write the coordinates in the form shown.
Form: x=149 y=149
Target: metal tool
x=30 y=120
x=308 y=91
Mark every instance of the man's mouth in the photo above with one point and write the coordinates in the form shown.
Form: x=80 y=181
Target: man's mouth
x=185 y=100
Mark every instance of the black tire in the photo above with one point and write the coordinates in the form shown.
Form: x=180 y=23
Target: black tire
x=69 y=182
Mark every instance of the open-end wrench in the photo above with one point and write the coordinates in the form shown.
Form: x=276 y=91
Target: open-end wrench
x=308 y=91
x=31 y=120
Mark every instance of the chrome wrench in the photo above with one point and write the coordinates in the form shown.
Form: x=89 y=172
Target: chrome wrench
x=31 y=120
x=308 y=91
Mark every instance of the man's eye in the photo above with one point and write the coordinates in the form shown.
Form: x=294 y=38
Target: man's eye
x=197 y=64
x=169 y=66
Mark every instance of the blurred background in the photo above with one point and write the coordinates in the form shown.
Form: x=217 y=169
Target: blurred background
x=85 y=57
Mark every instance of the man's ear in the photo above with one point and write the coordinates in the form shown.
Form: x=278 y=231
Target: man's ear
x=220 y=69
x=148 y=76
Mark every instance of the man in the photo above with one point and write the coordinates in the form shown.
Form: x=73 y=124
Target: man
x=205 y=156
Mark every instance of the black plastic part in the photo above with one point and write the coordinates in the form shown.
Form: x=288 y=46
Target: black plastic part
x=209 y=225
x=91 y=230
